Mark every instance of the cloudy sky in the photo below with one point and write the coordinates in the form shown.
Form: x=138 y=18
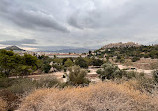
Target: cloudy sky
x=77 y=23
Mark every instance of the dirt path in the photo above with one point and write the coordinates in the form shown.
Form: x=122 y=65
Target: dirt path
x=57 y=75
x=92 y=75
x=147 y=72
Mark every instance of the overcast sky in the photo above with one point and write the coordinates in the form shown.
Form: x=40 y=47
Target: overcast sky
x=77 y=23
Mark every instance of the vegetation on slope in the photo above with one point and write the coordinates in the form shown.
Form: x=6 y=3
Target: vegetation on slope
x=133 y=53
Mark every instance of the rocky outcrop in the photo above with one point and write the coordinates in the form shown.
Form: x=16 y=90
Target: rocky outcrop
x=121 y=45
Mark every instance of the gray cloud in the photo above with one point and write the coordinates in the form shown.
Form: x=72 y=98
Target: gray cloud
x=29 y=18
x=18 y=42
x=91 y=22
x=73 y=22
x=102 y=15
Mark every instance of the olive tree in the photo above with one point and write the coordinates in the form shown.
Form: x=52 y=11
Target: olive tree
x=77 y=76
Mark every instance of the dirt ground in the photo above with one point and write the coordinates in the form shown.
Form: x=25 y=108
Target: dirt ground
x=131 y=68
x=92 y=75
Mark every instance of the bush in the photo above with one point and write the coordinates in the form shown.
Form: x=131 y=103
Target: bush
x=108 y=71
x=68 y=63
x=130 y=75
x=65 y=69
x=5 y=82
x=47 y=82
x=107 y=96
x=138 y=81
x=22 y=86
x=155 y=76
x=3 y=105
x=97 y=62
x=47 y=68
x=13 y=64
x=134 y=59
x=146 y=84
x=10 y=99
x=9 y=82
x=81 y=62
x=58 y=67
x=77 y=76
x=88 y=71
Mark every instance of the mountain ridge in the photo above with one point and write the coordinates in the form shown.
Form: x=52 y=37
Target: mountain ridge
x=14 y=48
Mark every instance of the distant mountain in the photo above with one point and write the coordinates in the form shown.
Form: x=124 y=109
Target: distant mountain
x=52 y=48
x=121 y=45
x=14 y=48
x=78 y=50
x=62 y=49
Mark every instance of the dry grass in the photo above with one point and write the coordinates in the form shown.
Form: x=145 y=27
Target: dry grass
x=3 y=105
x=146 y=63
x=107 y=96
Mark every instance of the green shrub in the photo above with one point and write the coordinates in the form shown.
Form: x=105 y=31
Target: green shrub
x=109 y=71
x=97 y=62
x=25 y=85
x=81 y=62
x=134 y=59
x=88 y=71
x=130 y=74
x=8 y=82
x=47 y=82
x=77 y=76
x=13 y=64
x=65 y=69
x=68 y=63
x=21 y=86
x=58 y=67
x=47 y=68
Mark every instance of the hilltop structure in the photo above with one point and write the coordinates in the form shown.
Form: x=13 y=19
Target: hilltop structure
x=121 y=45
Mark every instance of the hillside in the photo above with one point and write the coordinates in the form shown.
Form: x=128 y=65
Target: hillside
x=14 y=48
x=130 y=50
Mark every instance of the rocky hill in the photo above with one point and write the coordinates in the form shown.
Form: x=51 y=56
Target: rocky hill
x=121 y=45
x=14 y=48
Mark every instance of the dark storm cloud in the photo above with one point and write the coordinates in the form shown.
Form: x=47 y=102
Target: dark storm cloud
x=29 y=18
x=18 y=42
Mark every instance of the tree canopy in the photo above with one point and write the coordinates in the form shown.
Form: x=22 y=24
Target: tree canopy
x=14 y=64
